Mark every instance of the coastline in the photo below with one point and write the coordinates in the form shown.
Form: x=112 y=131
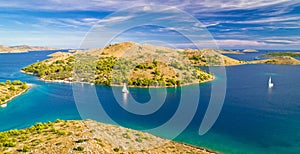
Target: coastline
x=115 y=85
x=22 y=92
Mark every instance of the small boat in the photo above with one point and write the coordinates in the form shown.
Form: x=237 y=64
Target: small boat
x=270 y=83
x=3 y=105
x=124 y=90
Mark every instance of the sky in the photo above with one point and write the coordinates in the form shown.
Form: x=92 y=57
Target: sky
x=229 y=24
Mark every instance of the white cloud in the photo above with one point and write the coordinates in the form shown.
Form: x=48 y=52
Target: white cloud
x=235 y=43
x=114 y=19
x=272 y=19
x=113 y=5
x=280 y=41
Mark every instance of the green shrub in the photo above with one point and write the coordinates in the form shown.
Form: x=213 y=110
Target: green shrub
x=25 y=148
x=80 y=148
x=9 y=144
x=116 y=149
x=81 y=140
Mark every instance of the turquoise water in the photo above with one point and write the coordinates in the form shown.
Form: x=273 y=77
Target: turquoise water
x=254 y=119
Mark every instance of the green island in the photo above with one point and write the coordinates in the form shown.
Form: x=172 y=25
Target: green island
x=280 y=54
x=142 y=66
x=87 y=136
x=10 y=90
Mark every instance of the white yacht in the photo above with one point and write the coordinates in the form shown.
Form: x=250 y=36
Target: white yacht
x=124 y=90
x=270 y=83
x=3 y=105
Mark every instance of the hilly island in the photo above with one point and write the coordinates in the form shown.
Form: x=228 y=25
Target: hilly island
x=140 y=65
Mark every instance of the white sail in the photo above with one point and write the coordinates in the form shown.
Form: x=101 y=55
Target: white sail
x=124 y=90
x=270 y=83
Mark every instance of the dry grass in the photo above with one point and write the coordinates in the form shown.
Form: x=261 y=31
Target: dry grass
x=92 y=137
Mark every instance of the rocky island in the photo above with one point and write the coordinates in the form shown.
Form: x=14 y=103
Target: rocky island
x=10 y=90
x=87 y=136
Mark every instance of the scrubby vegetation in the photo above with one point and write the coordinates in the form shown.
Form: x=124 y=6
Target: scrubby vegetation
x=13 y=138
x=57 y=70
x=86 y=137
x=9 y=89
x=110 y=70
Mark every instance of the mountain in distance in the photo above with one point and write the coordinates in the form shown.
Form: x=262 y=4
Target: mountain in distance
x=22 y=48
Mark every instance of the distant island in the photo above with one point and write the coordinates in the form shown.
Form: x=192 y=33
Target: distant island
x=234 y=52
x=22 y=48
x=250 y=50
x=10 y=90
x=88 y=137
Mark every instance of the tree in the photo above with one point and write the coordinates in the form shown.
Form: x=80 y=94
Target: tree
x=17 y=82
x=155 y=63
x=8 y=82
x=24 y=86
x=12 y=88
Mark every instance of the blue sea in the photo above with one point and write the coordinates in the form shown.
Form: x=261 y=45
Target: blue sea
x=253 y=119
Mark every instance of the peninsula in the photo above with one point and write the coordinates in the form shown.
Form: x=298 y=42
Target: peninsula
x=10 y=90
x=87 y=136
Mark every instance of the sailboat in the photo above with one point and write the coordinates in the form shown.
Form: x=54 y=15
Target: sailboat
x=3 y=105
x=124 y=90
x=270 y=83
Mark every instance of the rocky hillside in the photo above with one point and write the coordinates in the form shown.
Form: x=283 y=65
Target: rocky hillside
x=87 y=137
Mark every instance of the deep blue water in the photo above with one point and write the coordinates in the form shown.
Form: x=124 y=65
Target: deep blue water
x=254 y=119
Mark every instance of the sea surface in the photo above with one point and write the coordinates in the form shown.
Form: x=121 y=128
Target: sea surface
x=254 y=118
